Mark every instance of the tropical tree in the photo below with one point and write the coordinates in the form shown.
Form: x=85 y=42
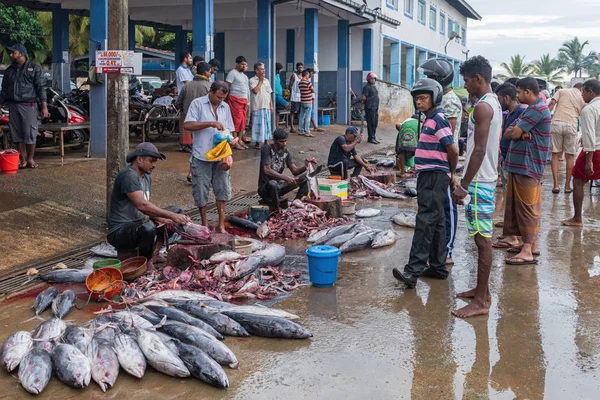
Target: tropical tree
x=548 y=67
x=79 y=33
x=18 y=25
x=594 y=71
x=571 y=56
x=517 y=67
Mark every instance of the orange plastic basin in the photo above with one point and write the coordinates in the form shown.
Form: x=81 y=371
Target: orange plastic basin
x=104 y=283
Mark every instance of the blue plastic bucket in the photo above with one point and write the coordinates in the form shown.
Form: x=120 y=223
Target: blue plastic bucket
x=324 y=120
x=323 y=265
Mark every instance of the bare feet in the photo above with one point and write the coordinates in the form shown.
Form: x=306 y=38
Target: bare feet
x=499 y=224
x=470 y=294
x=220 y=229
x=472 y=310
x=572 y=222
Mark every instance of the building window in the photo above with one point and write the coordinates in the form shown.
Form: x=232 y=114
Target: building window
x=450 y=27
x=463 y=36
x=393 y=4
x=442 y=23
x=409 y=8
x=433 y=18
x=421 y=15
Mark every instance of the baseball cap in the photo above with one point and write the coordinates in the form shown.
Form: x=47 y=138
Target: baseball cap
x=18 y=47
x=353 y=130
x=145 y=149
x=215 y=63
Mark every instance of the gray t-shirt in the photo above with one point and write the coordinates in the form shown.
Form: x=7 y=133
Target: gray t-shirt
x=122 y=210
x=239 y=84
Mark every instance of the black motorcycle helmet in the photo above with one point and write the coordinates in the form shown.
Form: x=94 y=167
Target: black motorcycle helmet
x=438 y=69
x=431 y=87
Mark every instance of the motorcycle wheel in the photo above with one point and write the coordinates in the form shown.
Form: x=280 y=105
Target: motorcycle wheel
x=79 y=136
x=154 y=128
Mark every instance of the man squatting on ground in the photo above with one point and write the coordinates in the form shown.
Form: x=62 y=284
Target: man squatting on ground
x=133 y=219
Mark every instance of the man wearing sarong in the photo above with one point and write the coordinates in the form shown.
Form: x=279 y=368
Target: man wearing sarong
x=239 y=92
x=262 y=106
x=525 y=164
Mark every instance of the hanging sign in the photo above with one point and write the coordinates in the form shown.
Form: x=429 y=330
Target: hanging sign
x=118 y=62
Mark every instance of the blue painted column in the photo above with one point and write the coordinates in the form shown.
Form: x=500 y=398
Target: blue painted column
x=368 y=56
x=422 y=59
x=131 y=34
x=220 y=54
x=290 y=50
x=395 y=68
x=98 y=41
x=61 y=67
x=311 y=47
x=343 y=72
x=410 y=66
x=203 y=17
x=264 y=35
x=179 y=36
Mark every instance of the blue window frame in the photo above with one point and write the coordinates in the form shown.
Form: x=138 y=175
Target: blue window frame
x=450 y=27
x=463 y=35
x=442 y=23
x=432 y=18
x=409 y=8
x=393 y=4
x=421 y=12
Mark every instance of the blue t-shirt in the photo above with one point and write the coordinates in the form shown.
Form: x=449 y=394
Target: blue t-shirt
x=509 y=119
x=436 y=134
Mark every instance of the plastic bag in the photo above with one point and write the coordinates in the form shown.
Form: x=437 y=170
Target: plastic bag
x=219 y=152
x=226 y=163
x=220 y=136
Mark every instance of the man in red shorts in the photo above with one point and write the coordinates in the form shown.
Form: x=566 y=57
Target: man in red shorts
x=587 y=166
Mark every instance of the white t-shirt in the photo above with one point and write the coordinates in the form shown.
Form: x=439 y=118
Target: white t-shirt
x=239 y=84
x=488 y=172
x=262 y=100
x=295 y=95
x=183 y=74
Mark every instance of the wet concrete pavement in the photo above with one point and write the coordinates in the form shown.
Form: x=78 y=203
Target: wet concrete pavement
x=375 y=340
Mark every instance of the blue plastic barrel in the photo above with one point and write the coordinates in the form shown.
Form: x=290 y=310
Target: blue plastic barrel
x=324 y=120
x=323 y=265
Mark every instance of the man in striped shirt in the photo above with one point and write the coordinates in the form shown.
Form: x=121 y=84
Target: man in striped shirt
x=306 y=99
x=435 y=160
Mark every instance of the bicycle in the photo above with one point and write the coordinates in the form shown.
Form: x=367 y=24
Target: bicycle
x=161 y=121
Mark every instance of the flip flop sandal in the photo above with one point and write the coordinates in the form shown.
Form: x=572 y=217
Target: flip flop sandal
x=309 y=135
x=319 y=130
x=568 y=191
x=32 y=166
x=517 y=250
x=556 y=191
x=23 y=166
x=502 y=244
x=520 y=261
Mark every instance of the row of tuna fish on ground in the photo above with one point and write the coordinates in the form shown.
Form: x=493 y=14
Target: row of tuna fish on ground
x=178 y=333
x=353 y=237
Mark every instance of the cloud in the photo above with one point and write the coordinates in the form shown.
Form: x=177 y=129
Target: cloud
x=512 y=19
x=532 y=32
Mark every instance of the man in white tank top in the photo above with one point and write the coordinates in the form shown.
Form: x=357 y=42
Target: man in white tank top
x=478 y=186
x=295 y=93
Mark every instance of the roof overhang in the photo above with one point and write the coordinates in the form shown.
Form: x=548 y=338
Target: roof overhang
x=465 y=9
x=362 y=11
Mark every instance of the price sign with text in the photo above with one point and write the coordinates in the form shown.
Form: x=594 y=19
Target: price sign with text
x=118 y=62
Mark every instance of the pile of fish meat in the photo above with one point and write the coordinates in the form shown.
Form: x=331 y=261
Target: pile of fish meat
x=178 y=333
x=354 y=237
x=363 y=187
x=191 y=231
x=227 y=275
x=300 y=220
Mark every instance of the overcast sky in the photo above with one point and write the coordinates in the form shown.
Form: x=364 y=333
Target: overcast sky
x=531 y=27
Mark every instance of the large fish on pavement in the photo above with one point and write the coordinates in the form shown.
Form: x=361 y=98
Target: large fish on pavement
x=197 y=337
x=104 y=362
x=404 y=218
x=272 y=255
x=380 y=191
x=175 y=314
x=171 y=342
x=359 y=242
x=45 y=299
x=131 y=319
x=103 y=328
x=273 y=327
x=340 y=240
x=202 y=366
x=334 y=232
x=179 y=294
x=14 y=348
x=50 y=329
x=77 y=336
x=35 y=370
x=317 y=235
x=384 y=238
x=130 y=355
x=62 y=303
x=225 y=255
x=159 y=356
x=220 y=322
x=71 y=365
x=368 y=212
x=66 y=276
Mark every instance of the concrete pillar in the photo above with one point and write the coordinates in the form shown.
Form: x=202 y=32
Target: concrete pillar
x=179 y=43
x=61 y=66
x=131 y=35
x=290 y=50
x=264 y=35
x=117 y=139
x=311 y=47
x=395 y=68
x=203 y=17
x=220 y=54
x=368 y=50
x=410 y=66
x=343 y=72
x=457 y=76
x=422 y=59
x=98 y=41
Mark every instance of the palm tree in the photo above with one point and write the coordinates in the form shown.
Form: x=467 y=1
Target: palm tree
x=548 y=68
x=594 y=71
x=571 y=56
x=517 y=67
x=79 y=33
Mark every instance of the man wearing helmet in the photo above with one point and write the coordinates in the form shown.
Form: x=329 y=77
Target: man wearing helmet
x=370 y=99
x=442 y=71
x=435 y=160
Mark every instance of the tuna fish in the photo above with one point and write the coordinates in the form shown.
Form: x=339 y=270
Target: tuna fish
x=202 y=366
x=71 y=365
x=62 y=303
x=334 y=232
x=14 y=348
x=175 y=314
x=220 y=322
x=404 y=218
x=159 y=356
x=103 y=328
x=179 y=294
x=51 y=329
x=47 y=345
x=131 y=319
x=368 y=212
x=104 y=362
x=66 y=276
x=272 y=255
x=77 y=336
x=44 y=299
x=35 y=370
x=359 y=242
x=384 y=238
x=273 y=327
x=340 y=240
x=225 y=255
x=380 y=191
x=197 y=337
x=171 y=342
x=254 y=309
x=317 y=235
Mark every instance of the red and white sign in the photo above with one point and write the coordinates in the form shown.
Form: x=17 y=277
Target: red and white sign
x=118 y=62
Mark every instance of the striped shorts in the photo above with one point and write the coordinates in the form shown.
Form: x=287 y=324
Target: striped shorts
x=480 y=210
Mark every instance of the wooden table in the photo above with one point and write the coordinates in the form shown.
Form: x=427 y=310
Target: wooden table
x=61 y=129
